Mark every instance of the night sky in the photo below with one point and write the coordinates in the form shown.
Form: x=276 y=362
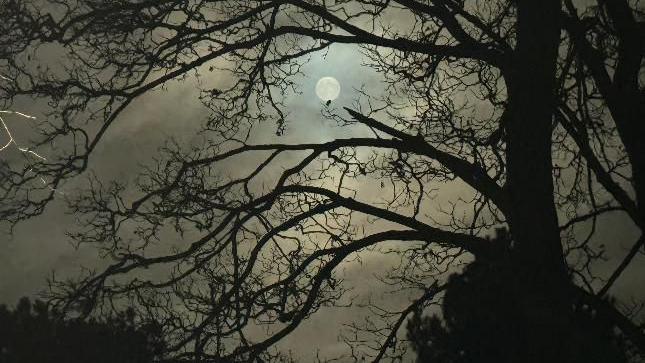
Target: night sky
x=39 y=247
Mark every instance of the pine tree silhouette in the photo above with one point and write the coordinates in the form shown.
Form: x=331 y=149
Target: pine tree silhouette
x=34 y=333
x=483 y=314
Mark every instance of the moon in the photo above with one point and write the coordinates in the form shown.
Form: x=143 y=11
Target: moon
x=328 y=88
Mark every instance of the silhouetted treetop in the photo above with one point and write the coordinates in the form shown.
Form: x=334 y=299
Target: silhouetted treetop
x=33 y=332
x=482 y=320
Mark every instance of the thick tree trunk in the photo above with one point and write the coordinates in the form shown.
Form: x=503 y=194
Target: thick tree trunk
x=542 y=276
x=531 y=100
x=626 y=101
x=629 y=113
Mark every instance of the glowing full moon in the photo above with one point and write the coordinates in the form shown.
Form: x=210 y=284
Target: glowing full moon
x=327 y=88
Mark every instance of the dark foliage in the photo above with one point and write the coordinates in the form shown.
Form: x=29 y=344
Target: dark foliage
x=35 y=333
x=484 y=310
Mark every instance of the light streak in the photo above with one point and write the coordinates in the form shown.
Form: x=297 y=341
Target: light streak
x=12 y=140
x=18 y=113
x=8 y=134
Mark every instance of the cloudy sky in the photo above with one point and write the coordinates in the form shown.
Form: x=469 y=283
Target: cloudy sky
x=39 y=247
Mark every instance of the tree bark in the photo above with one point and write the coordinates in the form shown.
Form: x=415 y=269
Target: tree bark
x=542 y=279
x=625 y=100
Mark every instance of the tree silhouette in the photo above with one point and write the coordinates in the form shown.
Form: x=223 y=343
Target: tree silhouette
x=478 y=326
x=35 y=333
x=532 y=109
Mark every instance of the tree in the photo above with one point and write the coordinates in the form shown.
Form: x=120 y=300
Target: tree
x=533 y=108
x=35 y=333
x=477 y=326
